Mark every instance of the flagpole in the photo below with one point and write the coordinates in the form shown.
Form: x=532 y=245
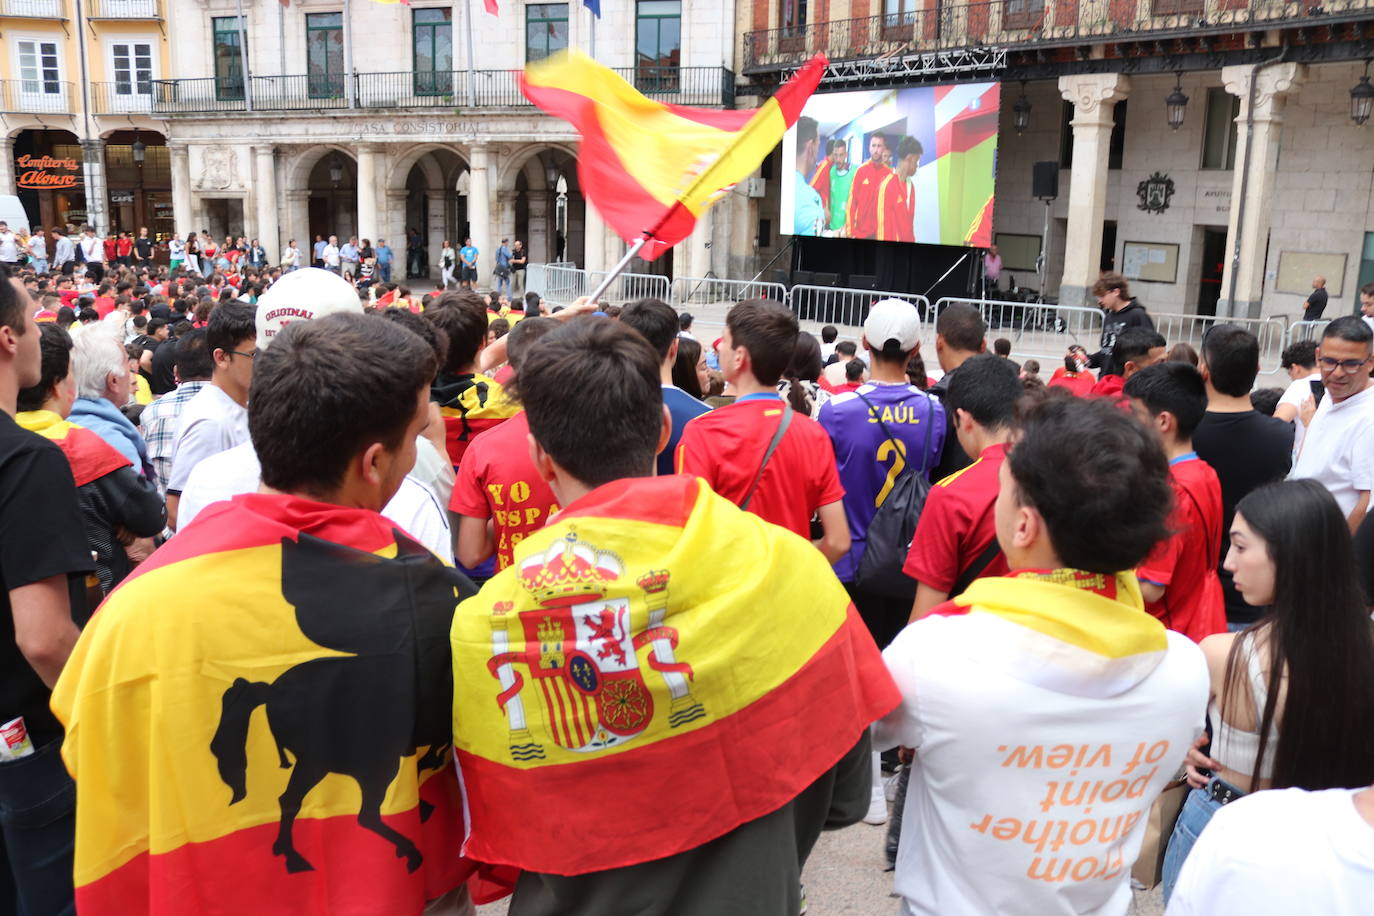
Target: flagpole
x=472 y=67
x=618 y=269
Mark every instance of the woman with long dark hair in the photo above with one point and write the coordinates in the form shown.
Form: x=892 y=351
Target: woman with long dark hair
x=1292 y=694
x=689 y=371
x=799 y=384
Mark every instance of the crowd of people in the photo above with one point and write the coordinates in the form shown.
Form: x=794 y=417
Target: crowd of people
x=567 y=604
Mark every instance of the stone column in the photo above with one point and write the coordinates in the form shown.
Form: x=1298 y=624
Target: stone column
x=265 y=192
x=368 y=155
x=394 y=219
x=505 y=217
x=438 y=228
x=298 y=223
x=7 y=185
x=1092 y=95
x=180 y=156
x=1252 y=189
x=537 y=245
x=693 y=256
x=479 y=212
x=595 y=233
x=97 y=195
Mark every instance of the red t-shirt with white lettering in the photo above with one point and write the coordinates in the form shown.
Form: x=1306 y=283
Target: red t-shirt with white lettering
x=497 y=480
x=957 y=524
x=726 y=446
x=1186 y=564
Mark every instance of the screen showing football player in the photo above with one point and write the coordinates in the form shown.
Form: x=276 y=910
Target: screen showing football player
x=833 y=179
x=897 y=195
x=863 y=195
x=808 y=214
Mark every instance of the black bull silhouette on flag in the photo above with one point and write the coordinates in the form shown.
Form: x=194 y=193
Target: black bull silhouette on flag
x=357 y=715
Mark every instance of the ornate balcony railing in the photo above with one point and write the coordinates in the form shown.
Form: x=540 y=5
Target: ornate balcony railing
x=33 y=9
x=703 y=86
x=131 y=97
x=938 y=25
x=123 y=9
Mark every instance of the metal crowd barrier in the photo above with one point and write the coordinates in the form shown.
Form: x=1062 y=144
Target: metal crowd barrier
x=832 y=305
x=1306 y=330
x=1272 y=333
x=1038 y=329
x=564 y=285
x=703 y=291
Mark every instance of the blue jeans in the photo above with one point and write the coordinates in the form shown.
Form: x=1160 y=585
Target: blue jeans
x=37 y=833
x=503 y=284
x=385 y=271
x=1197 y=810
x=39 y=265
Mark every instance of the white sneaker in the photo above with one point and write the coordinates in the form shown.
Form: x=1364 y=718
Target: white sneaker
x=877 y=810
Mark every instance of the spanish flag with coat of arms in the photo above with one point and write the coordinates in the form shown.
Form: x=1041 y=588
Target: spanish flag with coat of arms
x=653 y=648
x=652 y=168
x=258 y=721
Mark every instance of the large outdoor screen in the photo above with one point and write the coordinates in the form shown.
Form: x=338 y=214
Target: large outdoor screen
x=898 y=165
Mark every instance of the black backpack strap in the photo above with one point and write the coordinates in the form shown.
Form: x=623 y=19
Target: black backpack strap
x=976 y=568
x=772 y=447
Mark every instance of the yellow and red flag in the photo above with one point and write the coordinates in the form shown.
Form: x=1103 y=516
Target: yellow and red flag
x=651 y=167
x=469 y=404
x=338 y=796
x=653 y=648
x=90 y=456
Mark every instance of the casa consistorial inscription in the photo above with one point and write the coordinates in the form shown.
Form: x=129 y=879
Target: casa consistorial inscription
x=405 y=127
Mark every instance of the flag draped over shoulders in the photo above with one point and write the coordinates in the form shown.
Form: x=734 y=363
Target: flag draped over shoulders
x=336 y=797
x=90 y=456
x=651 y=166
x=653 y=649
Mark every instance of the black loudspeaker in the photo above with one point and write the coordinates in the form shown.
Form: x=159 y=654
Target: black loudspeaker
x=863 y=281
x=1045 y=180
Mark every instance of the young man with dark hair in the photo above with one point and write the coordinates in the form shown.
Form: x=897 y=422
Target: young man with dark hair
x=808 y=207
x=1135 y=349
x=1178 y=580
x=303 y=598
x=1244 y=447
x=499 y=497
x=842 y=353
x=1034 y=694
x=955 y=539
x=960 y=333
x=1299 y=360
x=159 y=420
x=1113 y=294
x=1338 y=450
x=215 y=419
x=115 y=499
x=897 y=195
x=862 y=218
x=829 y=333
x=782 y=474
x=470 y=402
x=44 y=558
x=658 y=323
x=623 y=598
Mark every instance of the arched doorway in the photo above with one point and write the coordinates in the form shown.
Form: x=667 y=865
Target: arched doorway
x=333 y=201
x=49 y=177
x=548 y=211
x=138 y=178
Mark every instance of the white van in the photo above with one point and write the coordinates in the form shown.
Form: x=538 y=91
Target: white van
x=12 y=212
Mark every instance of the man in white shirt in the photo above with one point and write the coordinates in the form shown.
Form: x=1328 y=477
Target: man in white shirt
x=216 y=418
x=1367 y=304
x=93 y=250
x=9 y=247
x=1338 y=450
x=330 y=256
x=64 y=252
x=1046 y=709
x=1299 y=360
x=1282 y=852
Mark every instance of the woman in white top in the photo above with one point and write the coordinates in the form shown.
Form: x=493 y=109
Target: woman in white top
x=447 y=260
x=291 y=257
x=1311 y=654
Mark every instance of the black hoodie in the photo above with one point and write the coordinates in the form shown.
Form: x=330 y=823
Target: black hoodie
x=1132 y=316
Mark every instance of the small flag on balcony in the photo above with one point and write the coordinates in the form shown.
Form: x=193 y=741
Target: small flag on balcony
x=651 y=168
x=594 y=6
x=491 y=6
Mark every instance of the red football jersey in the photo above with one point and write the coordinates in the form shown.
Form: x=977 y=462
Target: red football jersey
x=896 y=210
x=863 y=199
x=497 y=480
x=1080 y=383
x=1186 y=564
x=957 y=524
x=726 y=446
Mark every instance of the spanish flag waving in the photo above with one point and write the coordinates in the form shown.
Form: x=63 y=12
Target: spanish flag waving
x=651 y=167
x=652 y=648
x=258 y=721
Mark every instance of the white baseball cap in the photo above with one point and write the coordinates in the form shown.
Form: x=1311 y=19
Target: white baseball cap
x=892 y=319
x=303 y=295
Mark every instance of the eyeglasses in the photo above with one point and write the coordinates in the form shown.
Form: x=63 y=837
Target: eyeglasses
x=241 y=353
x=1349 y=365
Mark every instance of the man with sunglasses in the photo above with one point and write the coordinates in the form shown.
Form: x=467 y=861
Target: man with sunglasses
x=1338 y=450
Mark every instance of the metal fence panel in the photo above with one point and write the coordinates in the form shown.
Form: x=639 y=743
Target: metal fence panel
x=833 y=305
x=1306 y=330
x=1272 y=333
x=628 y=287
x=1038 y=329
x=707 y=291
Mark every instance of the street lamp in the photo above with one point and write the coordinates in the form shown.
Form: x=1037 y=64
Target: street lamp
x=1362 y=98
x=140 y=149
x=335 y=170
x=1020 y=111
x=1176 y=104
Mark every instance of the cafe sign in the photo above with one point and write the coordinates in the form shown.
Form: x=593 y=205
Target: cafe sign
x=47 y=173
